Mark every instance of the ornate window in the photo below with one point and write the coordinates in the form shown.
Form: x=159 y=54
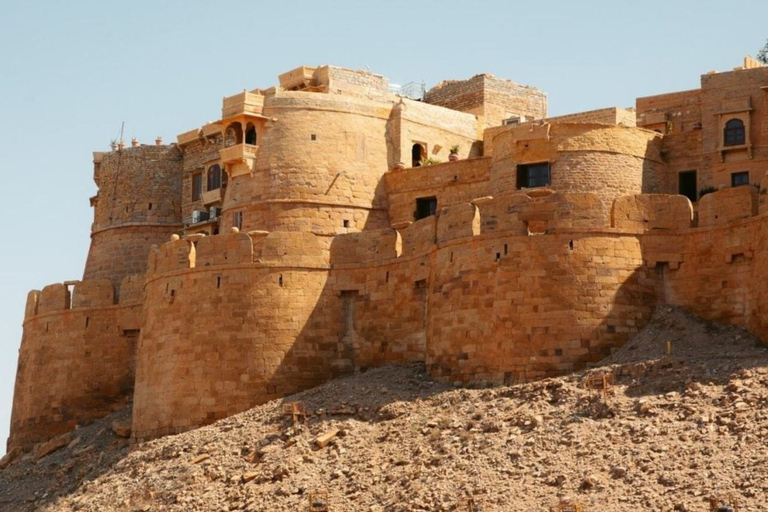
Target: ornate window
x=734 y=133
x=214 y=177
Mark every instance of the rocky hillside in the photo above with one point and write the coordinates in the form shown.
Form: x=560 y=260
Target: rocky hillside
x=673 y=431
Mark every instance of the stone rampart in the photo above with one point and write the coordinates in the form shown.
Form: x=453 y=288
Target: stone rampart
x=76 y=361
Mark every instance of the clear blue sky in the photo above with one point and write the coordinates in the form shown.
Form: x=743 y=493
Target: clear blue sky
x=71 y=72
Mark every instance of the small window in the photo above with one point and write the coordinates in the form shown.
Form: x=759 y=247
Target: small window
x=214 y=177
x=533 y=175
x=197 y=186
x=417 y=154
x=734 y=133
x=425 y=207
x=739 y=178
x=237 y=220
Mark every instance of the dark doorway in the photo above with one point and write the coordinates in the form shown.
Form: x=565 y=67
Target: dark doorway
x=425 y=207
x=417 y=154
x=687 y=185
x=250 y=135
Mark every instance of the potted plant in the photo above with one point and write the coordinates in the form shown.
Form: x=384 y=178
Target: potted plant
x=453 y=155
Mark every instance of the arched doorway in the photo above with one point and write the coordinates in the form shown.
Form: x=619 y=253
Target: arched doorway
x=417 y=154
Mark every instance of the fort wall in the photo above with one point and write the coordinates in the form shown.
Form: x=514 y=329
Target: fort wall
x=222 y=333
x=451 y=183
x=76 y=361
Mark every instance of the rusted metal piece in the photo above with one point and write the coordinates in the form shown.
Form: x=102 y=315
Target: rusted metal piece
x=296 y=410
x=723 y=505
x=601 y=384
x=471 y=505
x=318 y=501
x=567 y=506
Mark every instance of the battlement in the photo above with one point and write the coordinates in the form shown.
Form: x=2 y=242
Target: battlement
x=87 y=294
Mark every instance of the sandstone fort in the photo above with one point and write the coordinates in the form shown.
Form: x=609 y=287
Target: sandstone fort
x=335 y=223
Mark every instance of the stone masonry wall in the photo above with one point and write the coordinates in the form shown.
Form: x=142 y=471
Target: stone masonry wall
x=76 y=361
x=451 y=183
x=610 y=160
x=222 y=333
x=138 y=204
x=495 y=99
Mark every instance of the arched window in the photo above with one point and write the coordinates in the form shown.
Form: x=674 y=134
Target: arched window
x=734 y=133
x=214 y=177
x=233 y=135
x=417 y=154
x=250 y=134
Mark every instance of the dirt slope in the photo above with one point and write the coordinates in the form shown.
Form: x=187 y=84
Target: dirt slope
x=675 y=430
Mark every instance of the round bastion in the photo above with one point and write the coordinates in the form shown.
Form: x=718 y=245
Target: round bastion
x=611 y=161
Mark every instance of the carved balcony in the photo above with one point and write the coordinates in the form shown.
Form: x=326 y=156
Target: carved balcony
x=239 y=159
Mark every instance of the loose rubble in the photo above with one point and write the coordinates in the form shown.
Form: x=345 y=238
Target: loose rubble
x=673 y=431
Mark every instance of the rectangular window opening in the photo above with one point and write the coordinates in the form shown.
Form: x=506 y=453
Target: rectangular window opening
x=533 y=175
x=237 y=220
x=197 y=186
x=739 y=178
x=425 y=207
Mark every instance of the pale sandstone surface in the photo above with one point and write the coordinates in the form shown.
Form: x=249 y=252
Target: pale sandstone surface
x=298 y=251
x=676 y=429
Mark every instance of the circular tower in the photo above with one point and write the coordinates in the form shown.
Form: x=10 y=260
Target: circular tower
x=611 y=161
x=318 y=166
x=137 y=206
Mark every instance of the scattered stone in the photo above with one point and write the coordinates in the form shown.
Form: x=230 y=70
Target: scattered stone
x=200 y=458
x=323 y=439
x=122 y=428
x=425 y=446
x=51 y=446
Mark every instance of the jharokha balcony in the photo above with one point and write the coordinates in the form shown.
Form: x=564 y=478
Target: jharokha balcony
x=239 y=159
x=238 y=153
